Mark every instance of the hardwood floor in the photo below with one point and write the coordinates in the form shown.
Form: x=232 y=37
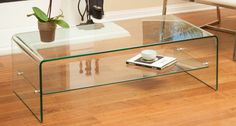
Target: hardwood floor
x=177 y=99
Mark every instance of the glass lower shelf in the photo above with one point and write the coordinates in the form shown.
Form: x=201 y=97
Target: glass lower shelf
x=105 y=70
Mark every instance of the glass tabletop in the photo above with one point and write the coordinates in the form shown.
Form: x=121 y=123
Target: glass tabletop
x=109 y=37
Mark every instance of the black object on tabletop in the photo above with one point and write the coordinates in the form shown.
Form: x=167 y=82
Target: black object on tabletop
x=93 y=8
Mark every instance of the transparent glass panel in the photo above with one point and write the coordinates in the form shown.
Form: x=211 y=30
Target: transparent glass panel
x=110 y=68
x=95 y=55
x=205 y=50
x=110 y=36
x=26 y=80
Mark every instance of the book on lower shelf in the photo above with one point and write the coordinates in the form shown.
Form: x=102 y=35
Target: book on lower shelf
x=160 y=62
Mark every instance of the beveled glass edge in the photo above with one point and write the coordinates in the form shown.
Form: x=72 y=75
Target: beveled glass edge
x=34 y=54
x=124 y=49
x=41 y=91
x=217 y=63
x=128 y=80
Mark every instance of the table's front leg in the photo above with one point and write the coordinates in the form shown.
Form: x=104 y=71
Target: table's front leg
x=25 y=81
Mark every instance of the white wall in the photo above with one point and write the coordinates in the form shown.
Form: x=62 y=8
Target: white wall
x=14 y=20
x=13 y=16
x=70 y=10
x=116 y=5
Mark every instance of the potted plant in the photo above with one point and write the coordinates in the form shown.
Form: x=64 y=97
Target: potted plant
x=47 y=24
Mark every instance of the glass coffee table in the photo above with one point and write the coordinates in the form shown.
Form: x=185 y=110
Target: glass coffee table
x=95 y=55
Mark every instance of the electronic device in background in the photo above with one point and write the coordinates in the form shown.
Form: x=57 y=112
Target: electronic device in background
x=93 y=8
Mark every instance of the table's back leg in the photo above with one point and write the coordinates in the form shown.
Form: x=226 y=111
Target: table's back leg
x=206 y=50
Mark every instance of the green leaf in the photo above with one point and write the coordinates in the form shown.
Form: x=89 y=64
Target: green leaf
x=40 y=14
x=62 y=23
x=29 y=15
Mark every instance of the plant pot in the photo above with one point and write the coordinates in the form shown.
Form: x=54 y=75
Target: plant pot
x=47 y=31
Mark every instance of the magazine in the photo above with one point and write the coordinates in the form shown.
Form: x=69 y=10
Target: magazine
x=160 y=62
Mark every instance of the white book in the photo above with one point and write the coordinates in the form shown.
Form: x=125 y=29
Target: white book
x=160 y=62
